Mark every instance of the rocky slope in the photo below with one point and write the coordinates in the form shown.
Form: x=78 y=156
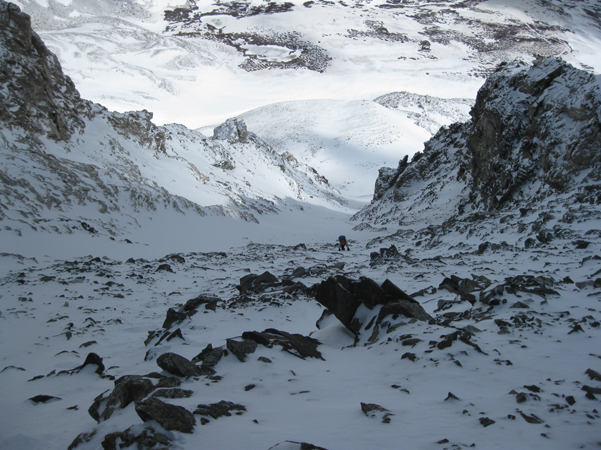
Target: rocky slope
x=70 y=165
x=532 y=148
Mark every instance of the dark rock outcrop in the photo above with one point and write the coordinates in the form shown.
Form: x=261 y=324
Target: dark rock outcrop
x=295 y=344
x=221 y=409
x=257 y=283
x=128 y=388
x=170 y=417
x=534 y=131
x=343 y=296
x=147 y=439
x=178 y=365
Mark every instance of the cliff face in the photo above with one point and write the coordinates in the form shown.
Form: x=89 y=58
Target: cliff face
x=535 y=132
x=36 y=95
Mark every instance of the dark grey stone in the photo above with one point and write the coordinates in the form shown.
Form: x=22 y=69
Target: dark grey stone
x=170 y=417
x=177 y=365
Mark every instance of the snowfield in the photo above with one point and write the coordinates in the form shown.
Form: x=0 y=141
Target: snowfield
x=166 y=288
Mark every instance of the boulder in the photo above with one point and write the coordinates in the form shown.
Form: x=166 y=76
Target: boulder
x=127 y=389
x=178 y=365
x=241 y=348
x=170 y=417
x=343 y=296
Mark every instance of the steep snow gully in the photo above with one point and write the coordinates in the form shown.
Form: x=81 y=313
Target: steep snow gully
x=467 y=313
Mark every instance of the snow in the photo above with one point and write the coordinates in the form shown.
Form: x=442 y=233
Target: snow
x=298 y=400
x=56 y=297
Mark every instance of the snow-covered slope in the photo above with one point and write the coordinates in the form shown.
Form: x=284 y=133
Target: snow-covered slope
x=465 y=315
x=201 y=62
x=348 y=141
x=70 y=166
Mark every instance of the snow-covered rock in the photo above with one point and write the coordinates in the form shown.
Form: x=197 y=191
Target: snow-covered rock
x=533 y=138
x=71 y=166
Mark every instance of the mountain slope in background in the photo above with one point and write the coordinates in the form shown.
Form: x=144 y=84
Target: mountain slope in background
x=199 y=63
x=69 y=165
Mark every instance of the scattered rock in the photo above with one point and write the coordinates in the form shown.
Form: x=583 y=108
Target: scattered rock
x=593 y=375
x=170 y=417
x=223 y=408
x=128 y=388
x=164 y=268
x=172 y=393
x=44 y=399
x=485 y=421
x=376 y=411
x=257 y=283
x=295 y=344
x=178 y=365
x=172 y=317
x=292 y=445
x=531 y=418
x=147 y=439
x=241 y=349
x=209 y=356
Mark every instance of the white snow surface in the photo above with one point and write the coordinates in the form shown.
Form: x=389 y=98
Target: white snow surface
x=54 y=312
x=65 y=295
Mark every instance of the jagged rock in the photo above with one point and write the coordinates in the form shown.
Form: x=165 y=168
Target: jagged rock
x=295 y=344
x=209 y=356
x=223 y=408
x=93 y=359
x=127 y=389
x=146 y=440
x=376 y=411
x=593 y=375
x=193 y=304
x=178 y=365
x=342 y=296
x=172 y=317
x=170 y=417
x=233 y=130
x=241 y=349
x=257 y=283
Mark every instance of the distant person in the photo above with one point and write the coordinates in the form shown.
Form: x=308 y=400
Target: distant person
x=342 y=242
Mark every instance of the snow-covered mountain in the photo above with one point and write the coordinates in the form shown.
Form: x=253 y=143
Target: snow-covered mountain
x=195 y=62
x=142 y=306
x=532 y=144
x=69 y=165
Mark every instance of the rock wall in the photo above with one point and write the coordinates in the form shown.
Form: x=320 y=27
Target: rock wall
x=535 y=132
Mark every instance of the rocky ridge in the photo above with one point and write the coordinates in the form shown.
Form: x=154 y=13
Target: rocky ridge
x=533 y=140
x=61 y=153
